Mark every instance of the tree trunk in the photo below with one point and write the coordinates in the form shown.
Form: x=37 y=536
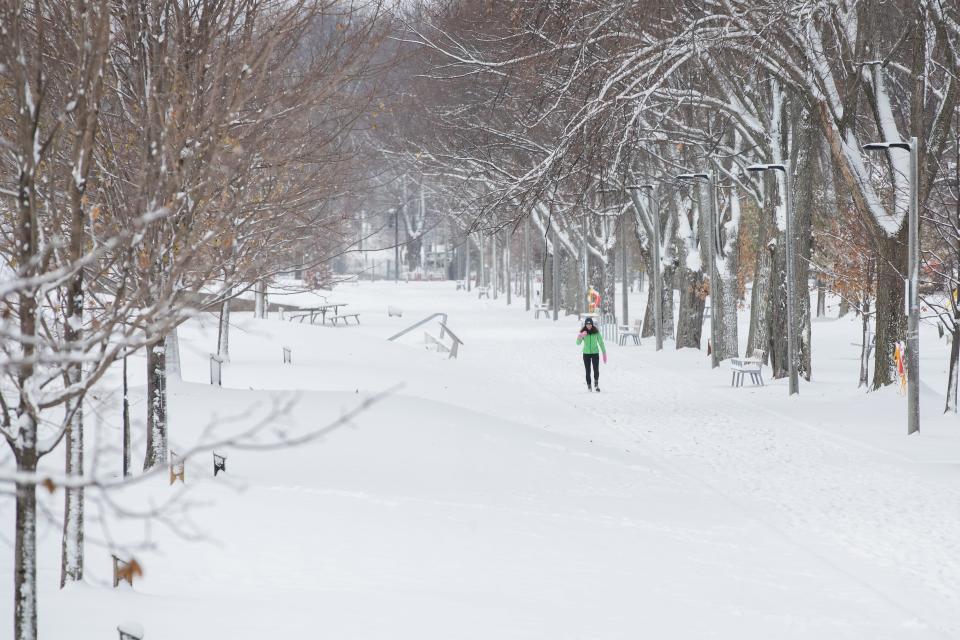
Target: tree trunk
x=726 y=311
x=758 y=336
x=649 y=329
x=126 y=422
x=546 y=289
x=223 y=337
x=844 y=307
x=777 y=308
x=951 y=403
x=156 y=405
x=666 y=306
x=25 y=552
x=260 y=300
x=570 y=281
x=71 y=551
x=609 y=284
x=865 y=345
x=414 y=245
x=891 y=325
x=690 y=313
x=803 y=227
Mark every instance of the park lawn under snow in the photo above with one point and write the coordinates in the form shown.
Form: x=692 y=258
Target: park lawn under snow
x=493 y=497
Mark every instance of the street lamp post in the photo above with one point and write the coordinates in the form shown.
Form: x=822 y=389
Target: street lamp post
x=711 y=237
x=794 y=386
x=655 y=262
x=526 y=261
x=912 y=281
x=466 y=260
x=624 y=290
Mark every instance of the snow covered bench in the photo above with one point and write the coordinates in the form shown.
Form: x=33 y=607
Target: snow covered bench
x=130 y=631
x=483 y=292
x=394 y=311
x=752 y=366
x=541 y=308
x=344 y=317
x=461 y=285
x=625 y=331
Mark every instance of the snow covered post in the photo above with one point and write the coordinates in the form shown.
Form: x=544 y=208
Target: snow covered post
x=215 y=364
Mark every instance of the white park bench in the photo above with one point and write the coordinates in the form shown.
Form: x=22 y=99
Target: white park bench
x=539 y=308
x=752 y=366
x=461 y=285
x=625 y=331
x=483 y=292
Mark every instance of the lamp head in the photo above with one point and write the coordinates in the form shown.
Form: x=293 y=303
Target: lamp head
x=877 y=146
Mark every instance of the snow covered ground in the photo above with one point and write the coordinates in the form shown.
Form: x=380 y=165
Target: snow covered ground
x=493 y=497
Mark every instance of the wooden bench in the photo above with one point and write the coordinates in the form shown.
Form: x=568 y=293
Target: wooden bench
x=461 y=285
x=752 y=366
x=344 y=317
x=541 y=308
x=300 y=317
x=483 y=292
x=624 y=331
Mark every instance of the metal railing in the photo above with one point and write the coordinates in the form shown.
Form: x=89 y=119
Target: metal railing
x=444 y=329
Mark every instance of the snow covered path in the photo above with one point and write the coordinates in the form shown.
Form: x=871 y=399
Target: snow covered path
x=493 y=497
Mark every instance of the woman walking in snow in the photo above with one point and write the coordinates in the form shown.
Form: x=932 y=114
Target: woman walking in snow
x=593 y=346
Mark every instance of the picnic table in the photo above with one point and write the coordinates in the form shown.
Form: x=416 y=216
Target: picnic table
x=321 y=310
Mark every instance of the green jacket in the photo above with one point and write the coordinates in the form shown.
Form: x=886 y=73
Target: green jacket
x=592 y=343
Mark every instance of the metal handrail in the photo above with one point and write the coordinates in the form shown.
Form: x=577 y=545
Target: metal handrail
x=456 y=341
x=419 y=324
x=444 y=329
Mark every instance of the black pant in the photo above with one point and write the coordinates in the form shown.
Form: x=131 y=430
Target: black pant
x=594 y=359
